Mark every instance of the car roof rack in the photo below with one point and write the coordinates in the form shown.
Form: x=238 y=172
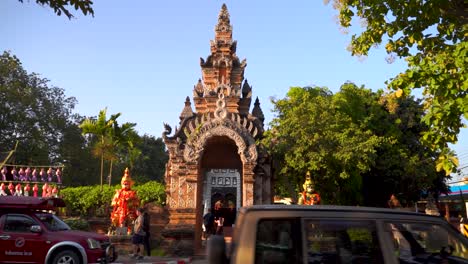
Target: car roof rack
x=30 y=202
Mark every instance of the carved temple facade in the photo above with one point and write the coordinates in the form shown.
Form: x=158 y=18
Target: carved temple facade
x=213 y=154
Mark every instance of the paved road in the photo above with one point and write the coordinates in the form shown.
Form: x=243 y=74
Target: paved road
x=161 y=260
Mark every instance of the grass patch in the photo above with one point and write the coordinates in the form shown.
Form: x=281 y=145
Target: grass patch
x=159 y=252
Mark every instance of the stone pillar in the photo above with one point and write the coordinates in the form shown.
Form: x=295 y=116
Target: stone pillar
x=266 y=199
x=248 y=182
x=258 y=189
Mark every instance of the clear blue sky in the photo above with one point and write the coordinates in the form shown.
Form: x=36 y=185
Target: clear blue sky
x=141 y=58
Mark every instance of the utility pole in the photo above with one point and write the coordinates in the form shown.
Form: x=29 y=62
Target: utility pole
x=10 y=153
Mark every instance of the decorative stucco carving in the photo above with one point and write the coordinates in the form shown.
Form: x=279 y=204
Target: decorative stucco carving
x=225 y=127
x=181 y=199
x=191 y=195
x=222 y=59
x=172 y=192
x=171 y=201
x=221 y=111
x=253 y=153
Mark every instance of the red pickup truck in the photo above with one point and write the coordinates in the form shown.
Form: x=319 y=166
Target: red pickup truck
x=30 y=232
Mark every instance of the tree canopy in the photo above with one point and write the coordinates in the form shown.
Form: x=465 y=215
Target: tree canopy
x=40 y=118
x=111 y=137
x=351 y=142
x=431 y=36
x=64 y=6
x=151 y=164
x=31 y=112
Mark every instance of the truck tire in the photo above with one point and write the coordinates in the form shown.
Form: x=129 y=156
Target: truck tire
x=66 y=257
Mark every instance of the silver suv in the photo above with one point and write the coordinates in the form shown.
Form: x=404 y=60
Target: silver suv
x=338 y=234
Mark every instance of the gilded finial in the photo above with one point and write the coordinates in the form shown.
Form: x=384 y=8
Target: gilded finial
x=126 y=176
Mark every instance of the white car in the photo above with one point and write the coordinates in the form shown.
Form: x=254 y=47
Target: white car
x=338 y=234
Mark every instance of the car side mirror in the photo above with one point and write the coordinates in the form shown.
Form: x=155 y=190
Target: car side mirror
x=216 y=249
x=36 y=229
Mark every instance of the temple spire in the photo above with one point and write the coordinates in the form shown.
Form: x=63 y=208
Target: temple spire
x=257 y=111
x=187 y=111
x=246 y=89
x=223 y=30
x=222 y=72
x=223 y=14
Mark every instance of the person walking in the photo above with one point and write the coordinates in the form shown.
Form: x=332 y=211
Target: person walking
x=138 y=236
x=219 y=225
x=208 y=222
x=146 y=228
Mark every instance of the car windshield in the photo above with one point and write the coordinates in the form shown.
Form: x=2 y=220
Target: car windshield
x=52 y=222
x=425 y=241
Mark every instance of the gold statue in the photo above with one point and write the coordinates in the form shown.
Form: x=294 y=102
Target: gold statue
x=309 y=196
x=125 y=203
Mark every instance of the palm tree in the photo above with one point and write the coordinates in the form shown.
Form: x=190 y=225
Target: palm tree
x=101 y=128
x=133 y=154
x=119 y=137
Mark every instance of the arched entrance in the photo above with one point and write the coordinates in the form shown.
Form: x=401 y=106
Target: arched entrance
x=221 y=171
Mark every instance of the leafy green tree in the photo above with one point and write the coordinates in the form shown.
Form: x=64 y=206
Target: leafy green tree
x=101 y=128
x=431 y=36
x=120 y=137
x=63 y=6
x=80 y=165
x=351 y=142
x=312 y=134
x=39 y=117
x=112 y=138
x=150 y=165
x=405 y=167
x=32 y=112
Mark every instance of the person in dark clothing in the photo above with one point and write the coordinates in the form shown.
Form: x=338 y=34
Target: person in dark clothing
x=146 y=228
x=138 y=236
x=208 y=222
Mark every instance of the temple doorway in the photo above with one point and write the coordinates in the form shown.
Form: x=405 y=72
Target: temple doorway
x=222 y=188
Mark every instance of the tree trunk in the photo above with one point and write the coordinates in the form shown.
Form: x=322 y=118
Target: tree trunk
x=102 y=169
x=102 y=165
x=110 y=172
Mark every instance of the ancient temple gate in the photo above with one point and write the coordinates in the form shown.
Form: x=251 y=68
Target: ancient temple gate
x=213 y=153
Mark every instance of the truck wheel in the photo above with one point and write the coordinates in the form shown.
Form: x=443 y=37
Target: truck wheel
x=66 y=257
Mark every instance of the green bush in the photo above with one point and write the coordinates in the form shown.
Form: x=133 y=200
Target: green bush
x=77 y=223
x=91 y=201
x=151 y=192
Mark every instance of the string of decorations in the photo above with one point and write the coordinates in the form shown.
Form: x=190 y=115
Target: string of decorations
x=32 y=179
x=37 y=174
x=34 y=166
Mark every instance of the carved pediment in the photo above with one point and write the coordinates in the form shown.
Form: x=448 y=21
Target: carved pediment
x=221 y=127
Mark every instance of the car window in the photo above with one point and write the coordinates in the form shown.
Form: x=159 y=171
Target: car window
x=52 y=222
x=425 y=243
x=341 y=241
x=18 y=223
x=277 y=241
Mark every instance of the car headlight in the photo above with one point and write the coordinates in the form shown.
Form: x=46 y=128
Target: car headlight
x=93 y=244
